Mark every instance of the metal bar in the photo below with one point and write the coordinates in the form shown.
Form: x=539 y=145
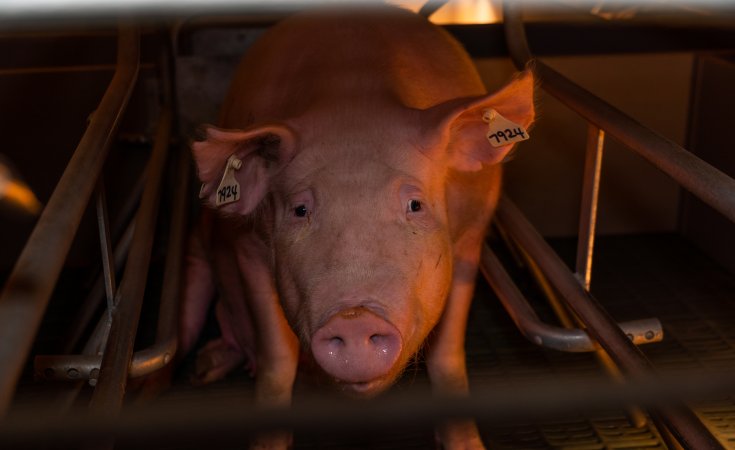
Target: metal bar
x=64 y=69
x=683 y=423
x=108 y=266
x=431 y=6
x=588 y=208
x=29 y=287
x=540 y=333
x=108 y=395
x=144 y=362
x=91 y=301
x=569 y=320
x=236 y=416
x=123 y=232
x=709 y=184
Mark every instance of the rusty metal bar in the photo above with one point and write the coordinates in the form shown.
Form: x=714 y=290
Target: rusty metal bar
x=29 y=287
x=588 y=208
x=550 y=336
x=695 y=175
x=683 y=423
x=108 y=395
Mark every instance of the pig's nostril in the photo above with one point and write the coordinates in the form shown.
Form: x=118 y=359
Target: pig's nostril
x=378 y=339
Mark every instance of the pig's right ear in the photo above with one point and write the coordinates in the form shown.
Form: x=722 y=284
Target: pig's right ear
x=235 y=166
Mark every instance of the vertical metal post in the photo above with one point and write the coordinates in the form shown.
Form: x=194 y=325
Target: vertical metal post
x=26 y=293
x=108 y=266
x=588 y=209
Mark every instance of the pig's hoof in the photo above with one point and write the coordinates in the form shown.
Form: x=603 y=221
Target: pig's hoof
x=215 y=360
x=460 y=436
x=272 y=441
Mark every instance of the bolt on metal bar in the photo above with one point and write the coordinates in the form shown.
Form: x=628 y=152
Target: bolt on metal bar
x=683 y=423
x=588 y=208
x=708 y=183
x=108 y=395
x=28 y=289
x=550 y=336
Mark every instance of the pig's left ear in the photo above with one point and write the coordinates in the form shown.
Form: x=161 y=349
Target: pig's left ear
x=461 y=126
x=236 y=166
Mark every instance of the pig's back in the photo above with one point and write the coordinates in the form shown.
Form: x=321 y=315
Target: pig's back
x=320 y=59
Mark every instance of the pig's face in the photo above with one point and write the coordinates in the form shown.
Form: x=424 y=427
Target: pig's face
x=356 y=214
x=362 y=252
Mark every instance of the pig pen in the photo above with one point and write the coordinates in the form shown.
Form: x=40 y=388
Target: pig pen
x=549 y=366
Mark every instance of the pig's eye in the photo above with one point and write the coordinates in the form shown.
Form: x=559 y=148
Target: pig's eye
x=414 y=206
x=300 y=211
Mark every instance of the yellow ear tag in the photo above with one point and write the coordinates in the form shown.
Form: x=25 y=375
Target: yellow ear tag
x=502 y=131
x=228 y=190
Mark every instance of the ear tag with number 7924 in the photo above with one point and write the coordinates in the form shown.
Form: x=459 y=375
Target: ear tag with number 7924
x=228 y=190
x=502 y=131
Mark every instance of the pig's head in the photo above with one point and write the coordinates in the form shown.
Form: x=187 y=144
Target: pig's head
x=354 y=207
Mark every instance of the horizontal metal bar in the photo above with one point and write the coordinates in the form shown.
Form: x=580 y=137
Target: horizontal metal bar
x=29 y=287
x=705 y=181
x=682 y=421
x=550 y=336
x=64 y=69
x=108 y=394
x=231 y=419
x=87 y=367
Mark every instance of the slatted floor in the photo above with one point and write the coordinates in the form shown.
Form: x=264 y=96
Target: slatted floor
x=634 y=277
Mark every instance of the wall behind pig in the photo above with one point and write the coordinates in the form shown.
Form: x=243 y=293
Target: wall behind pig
x=545 y=176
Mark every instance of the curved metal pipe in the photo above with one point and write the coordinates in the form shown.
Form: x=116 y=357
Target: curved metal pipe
x=685 y=425
x=564 y=339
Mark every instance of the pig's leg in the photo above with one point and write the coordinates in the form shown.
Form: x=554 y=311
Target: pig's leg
x=196 y=295
x=446 y=362
x=220 y=356
x=277 y=347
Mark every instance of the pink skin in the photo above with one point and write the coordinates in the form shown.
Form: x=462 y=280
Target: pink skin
x=367 y=184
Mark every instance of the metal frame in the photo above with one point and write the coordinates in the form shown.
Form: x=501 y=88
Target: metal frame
x=708 y=183
x=29 y=287
x=26 y=293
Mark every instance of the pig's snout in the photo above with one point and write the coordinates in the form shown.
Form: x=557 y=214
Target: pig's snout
x=356 y=346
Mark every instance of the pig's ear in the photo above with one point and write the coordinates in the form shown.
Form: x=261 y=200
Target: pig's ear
x=235 y=166
x=461 y=127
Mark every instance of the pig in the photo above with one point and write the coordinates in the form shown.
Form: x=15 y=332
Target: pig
x=350 y=182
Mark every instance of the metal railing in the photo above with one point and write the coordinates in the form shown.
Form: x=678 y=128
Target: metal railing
x=29 y=287
x=705 y=181
x=27 y=291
